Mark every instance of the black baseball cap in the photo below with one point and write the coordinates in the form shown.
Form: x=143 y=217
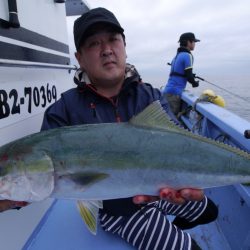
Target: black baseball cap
x=188 y=36
x=88 y=19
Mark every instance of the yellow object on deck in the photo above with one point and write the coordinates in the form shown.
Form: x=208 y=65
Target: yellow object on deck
x=219 y=100
x=210 y=96
x=208 y=92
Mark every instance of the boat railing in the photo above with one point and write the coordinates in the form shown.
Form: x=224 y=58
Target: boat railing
x=215 y=122
x=14 y=63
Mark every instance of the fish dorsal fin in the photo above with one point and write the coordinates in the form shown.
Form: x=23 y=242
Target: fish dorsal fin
x=89 y=213
x=154 y=116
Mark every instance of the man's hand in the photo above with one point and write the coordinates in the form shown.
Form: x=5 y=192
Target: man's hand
x=171 y=195
x=195 y=84
x=7 y=204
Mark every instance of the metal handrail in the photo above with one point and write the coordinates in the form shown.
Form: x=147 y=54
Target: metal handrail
x=36 y=65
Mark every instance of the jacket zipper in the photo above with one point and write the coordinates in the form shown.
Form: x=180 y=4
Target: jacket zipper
x=115 y=105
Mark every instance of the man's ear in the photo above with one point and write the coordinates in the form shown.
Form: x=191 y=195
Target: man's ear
x=77 y=56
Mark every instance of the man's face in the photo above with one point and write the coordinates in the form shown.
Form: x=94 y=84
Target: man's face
x=191 y=45
x=103 y=57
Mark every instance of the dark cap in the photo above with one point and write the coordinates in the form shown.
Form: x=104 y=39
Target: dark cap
x=93 y=16
x=189 y=36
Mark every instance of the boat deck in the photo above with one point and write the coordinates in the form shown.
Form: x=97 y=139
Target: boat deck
x=62 y=228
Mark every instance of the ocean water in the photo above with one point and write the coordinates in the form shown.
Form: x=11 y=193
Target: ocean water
x=237 y=102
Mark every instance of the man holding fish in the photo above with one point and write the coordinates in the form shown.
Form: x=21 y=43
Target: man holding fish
x=109 y=90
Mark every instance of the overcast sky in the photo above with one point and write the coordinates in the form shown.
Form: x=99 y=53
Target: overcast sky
x=152 y=29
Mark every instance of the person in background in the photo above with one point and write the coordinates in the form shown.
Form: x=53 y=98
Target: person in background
x=181 y=72
x=110 y=90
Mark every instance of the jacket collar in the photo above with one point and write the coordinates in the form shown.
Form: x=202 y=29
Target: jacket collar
x=81 y=78
x=183 y=49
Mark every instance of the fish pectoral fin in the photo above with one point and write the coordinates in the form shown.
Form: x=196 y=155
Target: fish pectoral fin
x=89 y=213
x=86 y=178
x=154 y=116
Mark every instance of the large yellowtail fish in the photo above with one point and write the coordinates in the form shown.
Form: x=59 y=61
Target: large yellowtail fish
x=108 y=161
